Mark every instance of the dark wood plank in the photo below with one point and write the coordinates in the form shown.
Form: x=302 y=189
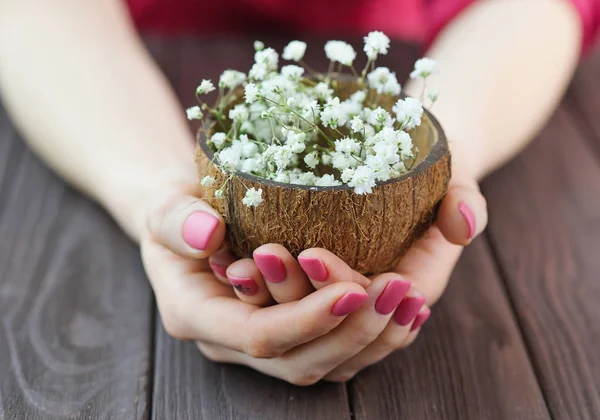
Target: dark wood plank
x=75 y=308
x=544 y=227
x=468 y=363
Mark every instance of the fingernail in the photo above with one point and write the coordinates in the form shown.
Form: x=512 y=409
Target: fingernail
x=408 y=309
x=349 y=303
x=198 y=229
x=219 y=269
x=420 y=319
x=271 y=266
x=246 y=286
x=469 y=217
x=391 y=296
x=314 y=268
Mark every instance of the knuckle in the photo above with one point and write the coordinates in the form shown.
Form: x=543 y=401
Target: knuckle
x=211 y=353
x=391 y=341
x=158 y=210
x=259 y=347
x=363 y=336
x=174 y=323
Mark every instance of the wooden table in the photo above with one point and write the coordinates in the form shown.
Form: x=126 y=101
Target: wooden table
x=517 y=334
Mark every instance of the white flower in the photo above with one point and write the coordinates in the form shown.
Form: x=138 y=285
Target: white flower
x=356 y=124
x=292 y=72
x=312 y=160
x=207 y=181
x=306 y=178
x=387 y=151
x=258 y=71
x=323 y=91
x=194 y=113
x=229 y=159
x=376 y=43
x=268 y=57
x=239 y=113
x=340 y=51
x=248 y=148
x=333 y=114
x=341 y=161
x=381 y=118
x=327 y=180
x=379 y=166
x=294 y=51
x=433 y=94
x=282 y=177
x=363 y=180
x=252 y=165
x=282 y=156
x=359 y=96
x=218 y=139
x=231 y=79
x=384 y=81
x=398 y=169
x=424 y=68
x=219 y=194
x=251 y=93
x=259 y=45
x=347 y=145
x=408 y=112
x=405 y=144
x=206 y=86
x=347 y=174
x=253 y=197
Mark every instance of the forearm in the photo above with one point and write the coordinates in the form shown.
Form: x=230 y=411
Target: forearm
x=89 y=100
x=504 y=65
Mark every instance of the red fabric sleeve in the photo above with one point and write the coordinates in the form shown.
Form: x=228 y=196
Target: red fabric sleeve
x=441 y=12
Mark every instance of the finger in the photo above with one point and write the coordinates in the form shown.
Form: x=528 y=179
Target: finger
x=429 y=263
x=358 y=331
x=284 y=277
x=323 y=268
x=394 y=337
x=463 y=213
x=194 y=305
x=219 y=261
x=248 y=282
x=186 y=225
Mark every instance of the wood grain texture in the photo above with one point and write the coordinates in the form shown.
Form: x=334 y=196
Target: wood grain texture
x=75 y=308
x=468 y=363
x=545 y=229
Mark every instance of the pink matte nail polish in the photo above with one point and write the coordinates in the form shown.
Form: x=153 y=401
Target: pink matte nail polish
x=408 y=309
x=348 y=303
x=469 y=217
x=271 y=266
x=314 y=268
x=391 y=296
x=219 y=269
x=420 y=319
x=244 y=285
x=198 y=228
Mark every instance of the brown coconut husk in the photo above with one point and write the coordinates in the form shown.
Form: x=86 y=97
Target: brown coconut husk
x=369 y=232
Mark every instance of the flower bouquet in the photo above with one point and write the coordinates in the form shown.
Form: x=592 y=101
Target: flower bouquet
x=331 y=160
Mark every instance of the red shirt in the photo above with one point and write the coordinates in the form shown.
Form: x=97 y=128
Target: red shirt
x=416 y=20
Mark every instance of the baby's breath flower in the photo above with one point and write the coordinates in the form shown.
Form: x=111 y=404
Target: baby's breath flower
x=408 y=112
x=384 y=81
x=218 y=140
x=253 y=198
x=229 y=159
x=333 y=115
x=376 y=43
x=194 y=113
x=363 y=180
x=341 y=161
x=357 y=125
x=347 y=175
x=424 y=68
x=379 y=166
x=239 y=113
x=259 y=45
x=207 y=181
x=294 y=51
x=251 y=93
x=433 y=95
x=327 y=180
x=258 y=71
x=268 y=57
x=359 y=96
x=306 y=178
x=206 y=86
x=231 y=79
x=282 y=176
x=219 y=194
x=323 y=91
x=347 y=145
x=292 y=72
x=381 y=118
x=340 y=52
x=312 y=160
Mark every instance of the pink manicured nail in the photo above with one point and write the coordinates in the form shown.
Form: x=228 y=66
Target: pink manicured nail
x=271 y=266
x=469 y=217
x=198 y=229
x=244 y=285
x=420 y=319
x=408 y=309
x=391 y=296
x=349 y=303
x=314 y=268
x=219 y=269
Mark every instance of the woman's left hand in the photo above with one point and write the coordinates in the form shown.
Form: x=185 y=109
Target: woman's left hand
x=274 y=276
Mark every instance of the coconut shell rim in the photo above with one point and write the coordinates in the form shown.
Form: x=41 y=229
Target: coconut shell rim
x=437 y=152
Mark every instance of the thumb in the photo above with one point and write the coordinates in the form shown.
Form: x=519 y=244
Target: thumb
x=463 y=213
